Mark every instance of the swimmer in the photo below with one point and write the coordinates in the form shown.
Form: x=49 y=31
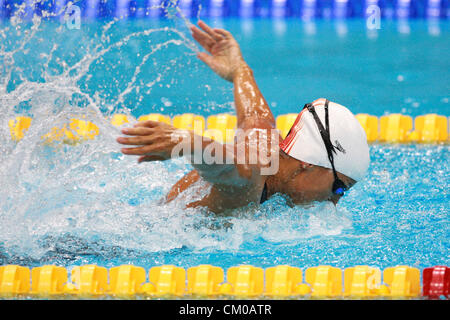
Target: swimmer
x=324 y=154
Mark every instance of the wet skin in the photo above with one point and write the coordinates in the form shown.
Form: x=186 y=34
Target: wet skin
x=232 y=185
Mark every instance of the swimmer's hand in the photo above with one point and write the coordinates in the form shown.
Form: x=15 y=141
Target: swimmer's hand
x=154 y=140
x=225 y=57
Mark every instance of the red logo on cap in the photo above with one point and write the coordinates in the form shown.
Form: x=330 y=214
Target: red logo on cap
x=287 y=144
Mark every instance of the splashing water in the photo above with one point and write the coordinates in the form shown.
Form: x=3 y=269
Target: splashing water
x=90 y=204
x=62 y=202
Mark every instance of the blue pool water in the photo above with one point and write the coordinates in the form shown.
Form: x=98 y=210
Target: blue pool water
x=72 y=205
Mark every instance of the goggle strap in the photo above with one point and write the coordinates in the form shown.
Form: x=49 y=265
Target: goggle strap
x=327 y=126
x=325 y=134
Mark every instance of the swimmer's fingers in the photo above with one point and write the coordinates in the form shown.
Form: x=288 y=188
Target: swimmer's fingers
x=138 y=131
x=202 y=38
x=210 y=31
x=208 y=59
x=144 y=150
x=226 y=34
x=136 y=141
x=137 y=151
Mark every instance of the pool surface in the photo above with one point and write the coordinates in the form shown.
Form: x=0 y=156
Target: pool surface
x=75 y=205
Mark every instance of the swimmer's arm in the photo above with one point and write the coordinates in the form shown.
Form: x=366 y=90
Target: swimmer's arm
x=251 y=108
x=224 y=57
x=215 y=162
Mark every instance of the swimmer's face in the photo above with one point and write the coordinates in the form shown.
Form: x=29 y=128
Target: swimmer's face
x=308 y=183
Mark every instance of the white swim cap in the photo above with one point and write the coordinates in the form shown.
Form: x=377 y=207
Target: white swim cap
x=305 y=143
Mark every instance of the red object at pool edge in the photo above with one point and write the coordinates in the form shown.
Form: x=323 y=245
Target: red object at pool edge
x=436 y=281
